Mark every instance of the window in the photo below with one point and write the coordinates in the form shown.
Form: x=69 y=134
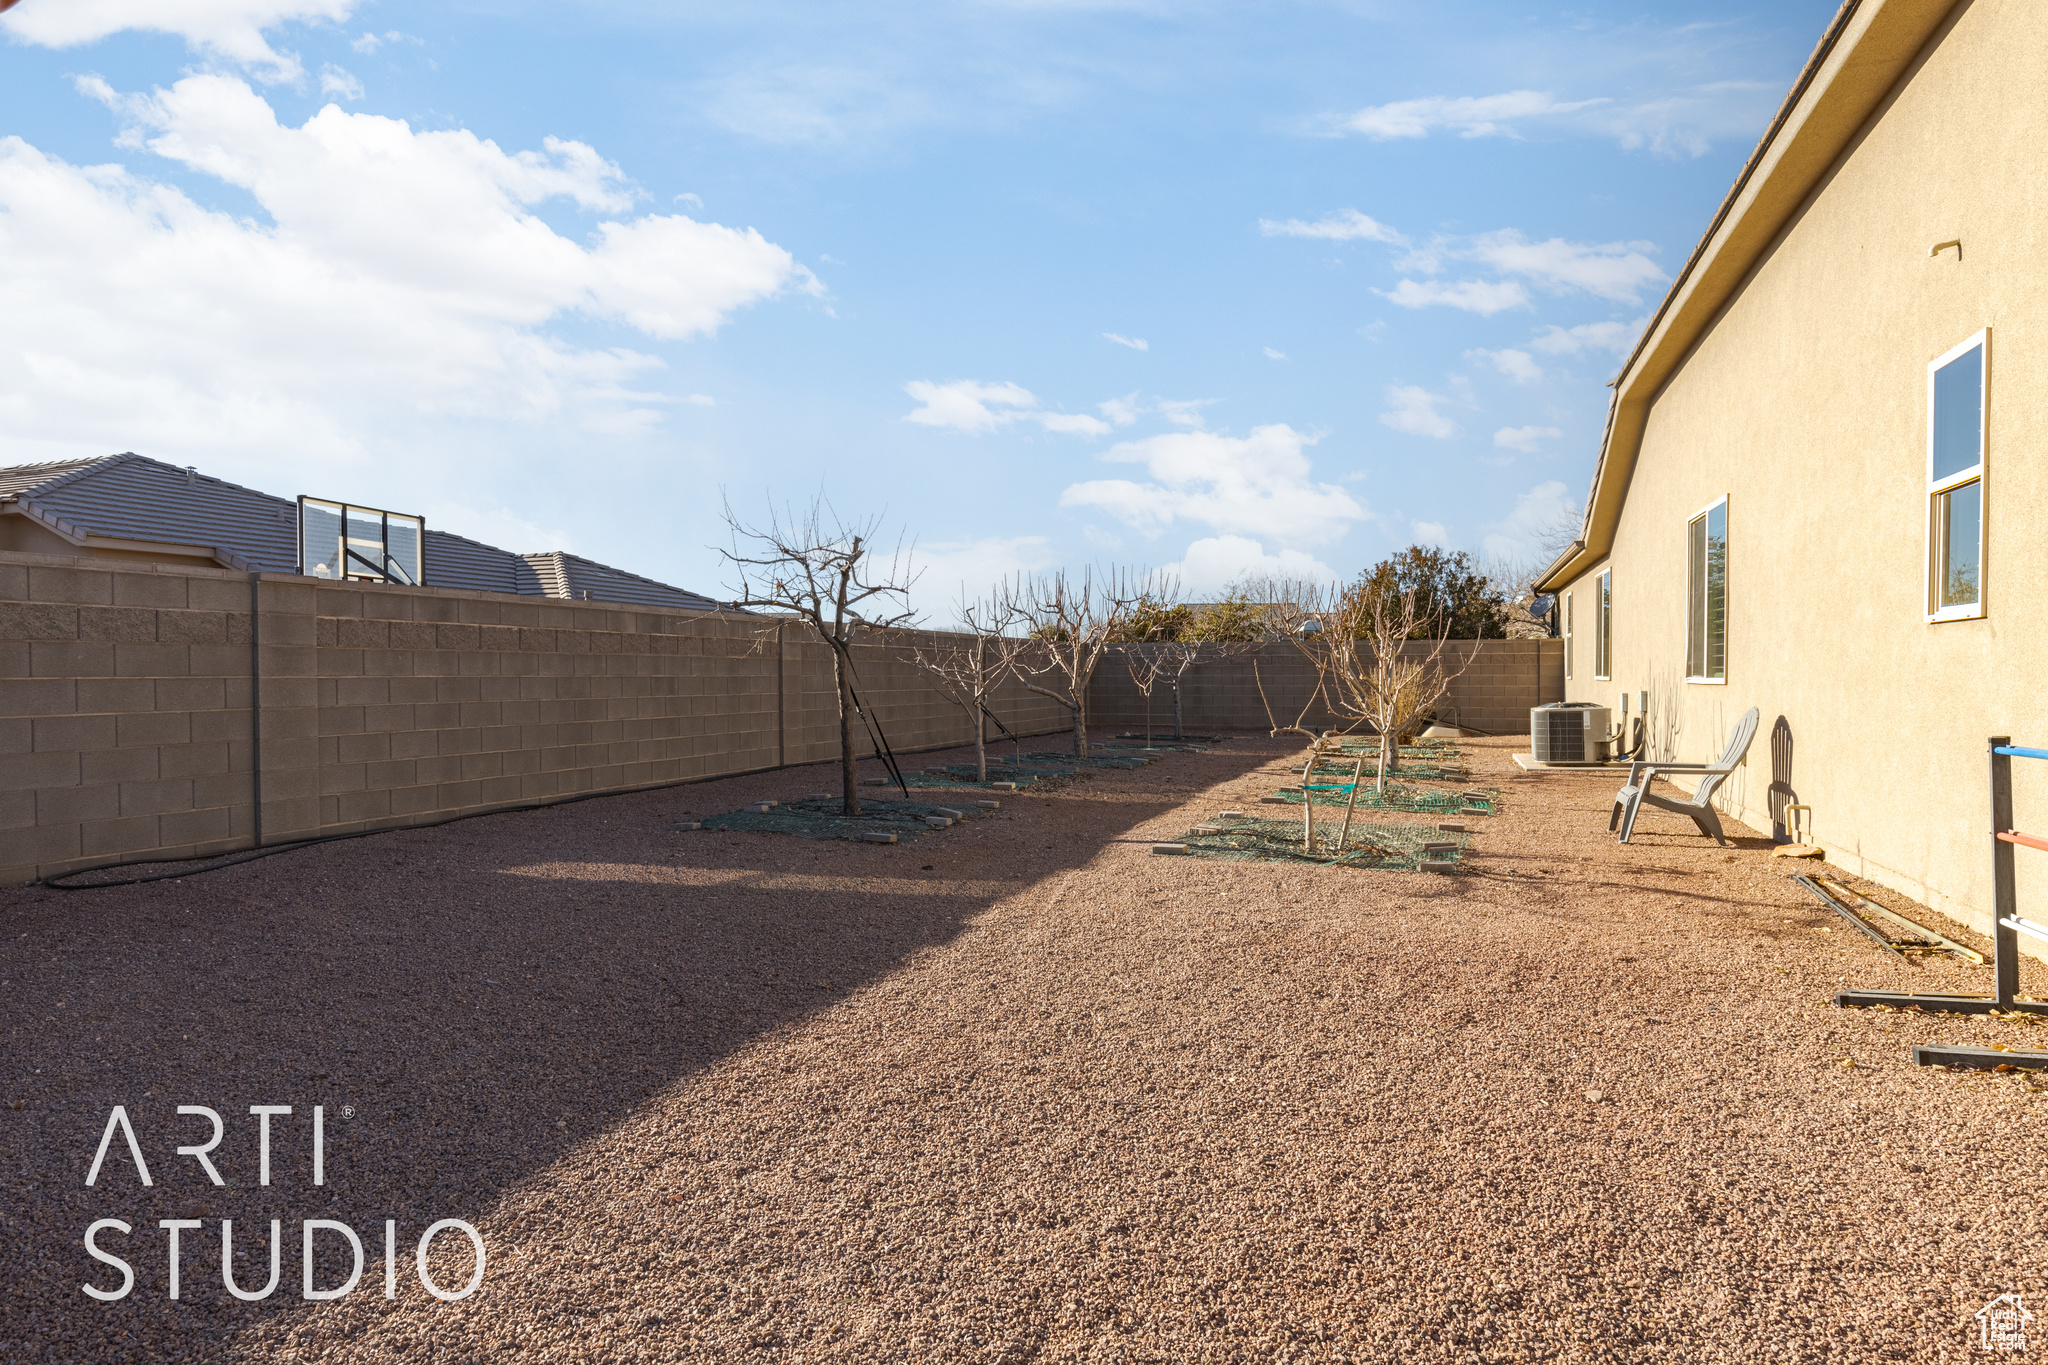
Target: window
x=1706 y=626
x=1567 y=637
x=1956 y=385
x=1603 y=626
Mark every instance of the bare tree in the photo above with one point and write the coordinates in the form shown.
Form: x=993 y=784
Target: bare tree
x=1071 y=622
x=1378 y=659
x=968 y=671
x=825 y=572
x=1148 y=664
x=1220 y=631
x=1557 y=532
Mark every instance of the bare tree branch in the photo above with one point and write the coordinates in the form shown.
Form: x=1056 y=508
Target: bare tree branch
x=824 y=571
x=1073 y=621
x=967 y=668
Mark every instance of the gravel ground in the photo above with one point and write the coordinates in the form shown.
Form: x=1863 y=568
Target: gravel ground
x=1019 y=1091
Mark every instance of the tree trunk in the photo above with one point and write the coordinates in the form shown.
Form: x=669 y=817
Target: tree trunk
x=849 y=792
x=980 y=740
x=1080 y=731
x=1386 y=745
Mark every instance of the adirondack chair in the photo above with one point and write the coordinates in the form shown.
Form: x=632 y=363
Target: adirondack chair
x=1637 y=793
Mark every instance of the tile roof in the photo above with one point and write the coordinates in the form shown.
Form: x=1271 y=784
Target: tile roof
x=567 y=575
x=132 y=497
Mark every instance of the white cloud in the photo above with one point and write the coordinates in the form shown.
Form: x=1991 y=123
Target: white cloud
x=1075 y=423
x=1468 y=116
x=1412 y=409
x=1122 y=411
x=1612 y=270
x=1430 y=533
x=821 y=104
x=228 y=29
x=370 y=42
x=1184 y=412
x=700 y=400
x=1272 y=354
x=1210 y=565
x=1618 y=337
x=1689 y=123
x=1524 y=438
x=1256 y=485
x=401 y=277
x=1346 y=225
x=1685 y=122
x=1522 y=532
x=1484 y=297
x=950 y=569
x=1517 y=365
x=965 y=405
x=335 y=81
x=1135 y=343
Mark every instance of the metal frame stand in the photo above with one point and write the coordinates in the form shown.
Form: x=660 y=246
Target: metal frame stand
x=2005 y=932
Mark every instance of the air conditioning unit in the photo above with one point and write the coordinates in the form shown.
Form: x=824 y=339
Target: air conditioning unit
x=1569 y=732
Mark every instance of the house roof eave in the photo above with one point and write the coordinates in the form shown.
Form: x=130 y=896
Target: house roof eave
x=1867 y=47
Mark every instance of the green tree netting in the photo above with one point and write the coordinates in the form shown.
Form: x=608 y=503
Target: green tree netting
x=1420 y=800
x=1395 y=848
x=1042 y=770
x=820 y=819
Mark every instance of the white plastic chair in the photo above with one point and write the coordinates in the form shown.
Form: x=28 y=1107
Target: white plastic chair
x=1637 y=794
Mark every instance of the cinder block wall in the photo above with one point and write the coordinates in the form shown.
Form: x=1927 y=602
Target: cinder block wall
x=126 y=719
x=1500 y=680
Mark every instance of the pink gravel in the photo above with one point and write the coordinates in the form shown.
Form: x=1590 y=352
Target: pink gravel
x=1017 y=1090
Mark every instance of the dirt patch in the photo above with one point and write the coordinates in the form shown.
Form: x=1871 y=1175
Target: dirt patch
x=1017 y=1091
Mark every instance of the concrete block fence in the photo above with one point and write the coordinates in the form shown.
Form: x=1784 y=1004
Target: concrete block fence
x=142 y=704
x=1497 y=682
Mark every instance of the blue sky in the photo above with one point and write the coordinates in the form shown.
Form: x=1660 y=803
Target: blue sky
x=1211 y=288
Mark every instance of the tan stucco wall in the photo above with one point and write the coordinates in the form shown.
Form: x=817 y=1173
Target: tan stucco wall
x=1805 y=404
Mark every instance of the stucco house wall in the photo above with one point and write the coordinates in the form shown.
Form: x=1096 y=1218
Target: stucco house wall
x=1805 y=405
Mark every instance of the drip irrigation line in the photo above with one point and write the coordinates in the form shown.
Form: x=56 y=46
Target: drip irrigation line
x=55 y=882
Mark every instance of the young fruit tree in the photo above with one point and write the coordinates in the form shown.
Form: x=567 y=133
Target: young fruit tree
x=1146 y=641
x=1071 y=623
x=1218 y=631
x=968 y=667
x=826 y=573
x=1380 y=658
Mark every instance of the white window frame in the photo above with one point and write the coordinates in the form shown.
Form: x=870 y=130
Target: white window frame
x=1972 y=611
x=1603 y=624
x=1721 y=681
x=1567 y=637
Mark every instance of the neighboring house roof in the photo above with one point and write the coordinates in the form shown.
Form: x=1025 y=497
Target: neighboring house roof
x=133 y=502
x=458 y=562
x=567 y=575
x=130 y=498
x=1867 y=47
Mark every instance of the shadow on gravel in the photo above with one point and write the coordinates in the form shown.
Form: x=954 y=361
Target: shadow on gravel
x=463 y=1003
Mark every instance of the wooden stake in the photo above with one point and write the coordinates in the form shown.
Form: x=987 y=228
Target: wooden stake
x=1308 y=801
x=1357 y=776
